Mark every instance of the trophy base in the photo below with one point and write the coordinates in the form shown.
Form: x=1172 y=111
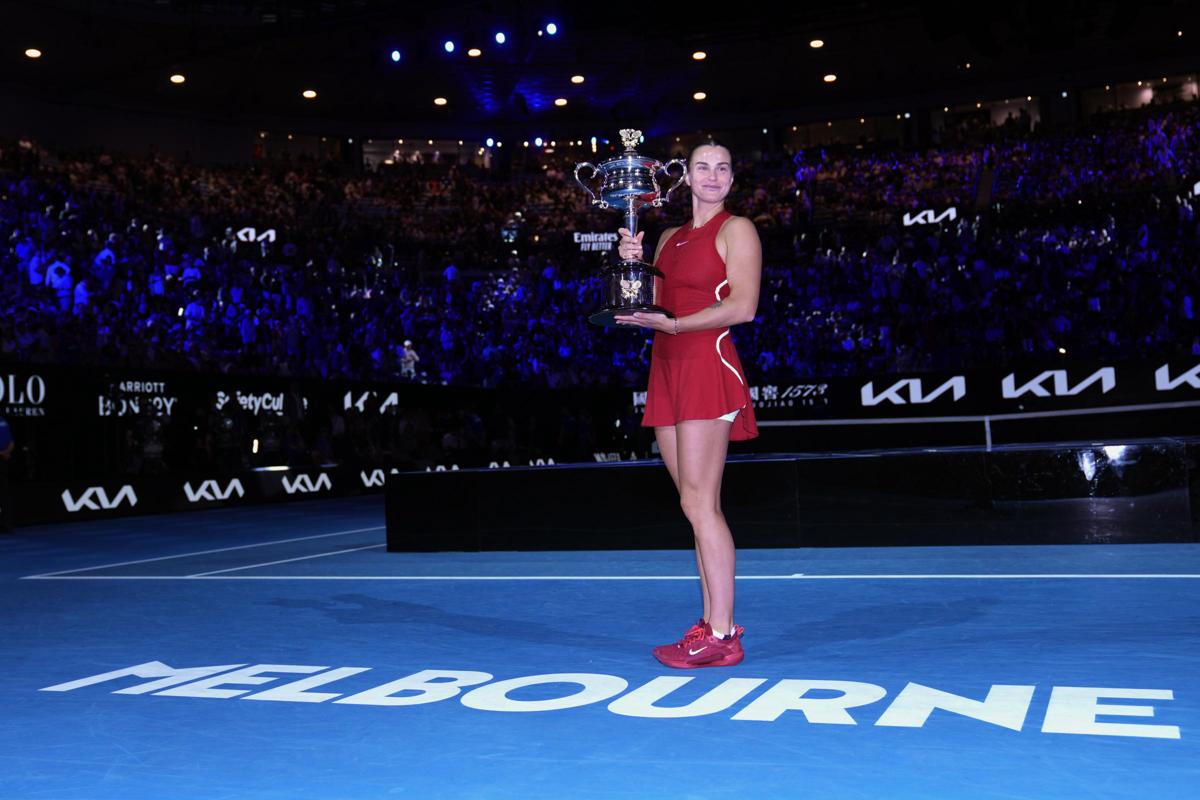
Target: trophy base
x=607 y=316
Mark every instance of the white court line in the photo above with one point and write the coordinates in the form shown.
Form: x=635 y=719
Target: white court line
x=285 y=560
x=202 y=552
x=793 y=577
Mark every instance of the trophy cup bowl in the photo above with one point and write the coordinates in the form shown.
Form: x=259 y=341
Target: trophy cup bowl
x=628 y=183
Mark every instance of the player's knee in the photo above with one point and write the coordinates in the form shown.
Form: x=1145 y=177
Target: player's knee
x=697 y=506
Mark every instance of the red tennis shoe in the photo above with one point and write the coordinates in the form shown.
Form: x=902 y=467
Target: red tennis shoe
x=703 y=650
x=692 y=634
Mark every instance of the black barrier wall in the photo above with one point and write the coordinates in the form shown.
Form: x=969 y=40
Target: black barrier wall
x=76 y=500
x=113 y=441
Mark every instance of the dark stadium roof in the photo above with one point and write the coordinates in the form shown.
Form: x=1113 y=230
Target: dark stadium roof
x=249 y=61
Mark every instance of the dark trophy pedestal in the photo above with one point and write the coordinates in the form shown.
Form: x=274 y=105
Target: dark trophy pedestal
x=630 y=288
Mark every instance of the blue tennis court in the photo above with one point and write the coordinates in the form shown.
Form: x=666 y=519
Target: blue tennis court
x=133 y=646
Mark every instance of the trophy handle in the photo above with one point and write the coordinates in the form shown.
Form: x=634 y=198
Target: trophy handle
x=585 y=187
x=665 y=169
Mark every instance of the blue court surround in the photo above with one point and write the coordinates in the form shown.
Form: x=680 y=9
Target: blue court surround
x=310 y=584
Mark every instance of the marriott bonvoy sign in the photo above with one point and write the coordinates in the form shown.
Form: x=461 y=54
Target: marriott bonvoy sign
x=1058 y=709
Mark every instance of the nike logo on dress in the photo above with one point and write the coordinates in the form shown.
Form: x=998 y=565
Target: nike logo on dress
x=680 y=244
x=701 y=650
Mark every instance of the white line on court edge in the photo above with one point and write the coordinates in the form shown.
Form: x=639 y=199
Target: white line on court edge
x=796 y=577
x=202 y=552
x=285 y=560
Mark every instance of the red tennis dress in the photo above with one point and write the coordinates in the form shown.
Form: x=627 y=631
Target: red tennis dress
x=696 y=375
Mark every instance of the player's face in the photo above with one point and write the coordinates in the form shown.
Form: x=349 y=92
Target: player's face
x=710 y=173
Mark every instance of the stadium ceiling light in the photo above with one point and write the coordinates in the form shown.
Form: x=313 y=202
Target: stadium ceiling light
x=177 y=78
x=700 y=96
x=448 y=46
x=699 y=55
x=830 y=78
x=551 y=28
x=560 y=101
x=817 y=44
x=577 y=79
x=500 y=37
x=395 y=55
x=309 y=94
x=33 y=52
x=439 y=101
x=474 y=52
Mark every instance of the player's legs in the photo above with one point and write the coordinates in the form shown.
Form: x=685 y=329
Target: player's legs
x=665 y=435
x=701 y=446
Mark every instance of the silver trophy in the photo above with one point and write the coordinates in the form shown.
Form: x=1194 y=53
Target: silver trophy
x=629 y=182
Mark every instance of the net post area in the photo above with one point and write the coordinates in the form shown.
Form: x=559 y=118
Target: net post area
x=1052 y=494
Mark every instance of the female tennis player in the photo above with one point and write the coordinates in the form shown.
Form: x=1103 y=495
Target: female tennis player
x=698 y=399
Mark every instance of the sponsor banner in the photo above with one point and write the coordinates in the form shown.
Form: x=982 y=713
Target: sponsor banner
x=255 y=403
x=213 y=490
x=596 y=242
x=137 y=397
x=98 y=498
x=73 y=424
x=49 y=502
x=22 y=393
x=305 y=483
x=1012 y=391
x=249 y=234
x=930 y=216
x=771 y=396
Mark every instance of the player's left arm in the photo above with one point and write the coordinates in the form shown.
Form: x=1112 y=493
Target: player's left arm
x=743 y=269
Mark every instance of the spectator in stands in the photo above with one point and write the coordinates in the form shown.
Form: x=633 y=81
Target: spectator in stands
x=408 y=361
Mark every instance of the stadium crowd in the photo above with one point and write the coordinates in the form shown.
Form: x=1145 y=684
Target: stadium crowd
x=446 y=274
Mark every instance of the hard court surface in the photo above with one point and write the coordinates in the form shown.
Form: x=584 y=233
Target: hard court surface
x=350 y=672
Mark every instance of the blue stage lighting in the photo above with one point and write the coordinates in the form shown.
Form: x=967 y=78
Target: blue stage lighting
x=395 y=55
x=551 y=28
x=538 y=141
x=490 y=142
x=501 y=38
x=449 y=45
